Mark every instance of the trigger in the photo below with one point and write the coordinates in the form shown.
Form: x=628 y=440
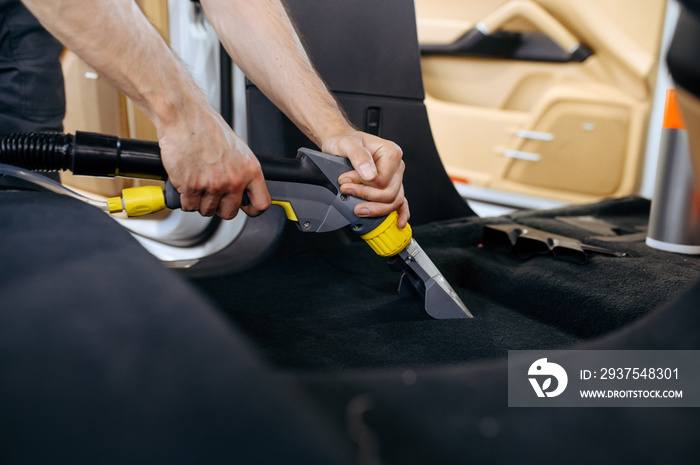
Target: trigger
x=288 y=210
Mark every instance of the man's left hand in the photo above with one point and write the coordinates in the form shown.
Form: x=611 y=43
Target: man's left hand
x=378 y=173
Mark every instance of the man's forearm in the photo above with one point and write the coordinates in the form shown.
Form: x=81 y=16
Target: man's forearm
x=262 y=41
x=115 y=38
x=209 y=164
x=206 y=161
x=260 y=38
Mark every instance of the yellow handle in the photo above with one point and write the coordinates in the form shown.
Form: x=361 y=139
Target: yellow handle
x=386 y=239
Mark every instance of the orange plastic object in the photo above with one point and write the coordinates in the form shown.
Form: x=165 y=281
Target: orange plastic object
x=673 y=119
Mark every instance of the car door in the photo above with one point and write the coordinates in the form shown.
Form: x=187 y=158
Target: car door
x=541 y=98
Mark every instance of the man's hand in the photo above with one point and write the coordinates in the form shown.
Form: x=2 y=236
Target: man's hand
x=261 y=39
x=211 y=167
x=207 y=163
x=378 y=173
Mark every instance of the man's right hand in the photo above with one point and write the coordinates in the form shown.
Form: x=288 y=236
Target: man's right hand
x=211 y=167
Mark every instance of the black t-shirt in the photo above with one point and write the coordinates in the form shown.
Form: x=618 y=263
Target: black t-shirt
x=31 y=81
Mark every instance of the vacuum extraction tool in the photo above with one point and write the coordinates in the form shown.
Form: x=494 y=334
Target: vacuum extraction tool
x=306 y=187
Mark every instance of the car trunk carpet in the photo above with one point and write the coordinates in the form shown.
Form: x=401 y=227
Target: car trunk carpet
x=335 y=308
x=312 y=357
x=107 y=357
x=408 y=389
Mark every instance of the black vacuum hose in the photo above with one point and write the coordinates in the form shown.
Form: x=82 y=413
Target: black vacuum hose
x=36 y=151
x=84 y=153
x=91 y=154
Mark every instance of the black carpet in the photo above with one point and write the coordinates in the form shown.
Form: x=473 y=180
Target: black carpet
x=312 y=357
x=336 y=307
x=411 y=390
x=107 y=357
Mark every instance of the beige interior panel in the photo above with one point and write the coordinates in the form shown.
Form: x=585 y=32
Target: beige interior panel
x=590 y=157
x=140 y=127
x=593 y=151
x=157 y=13
x=478 y=135
x=501 y=84
x=442 y=21
x=625 y=33
x=596 y=111
x=639 y=20
x=93 y=105
x=515 y=13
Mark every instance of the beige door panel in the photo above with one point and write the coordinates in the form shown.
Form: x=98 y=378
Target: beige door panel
x=622 y=40
x=471 y=139
x=625 y=34
x=443 y=21
x=492 y=118
x=517 y=11
x=520 y=15
x=502 y=84
x=477 y=110
x=583 y=144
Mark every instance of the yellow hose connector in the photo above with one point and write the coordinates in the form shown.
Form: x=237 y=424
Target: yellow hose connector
x=115 y=204
x=387 y=239
x=138 y=201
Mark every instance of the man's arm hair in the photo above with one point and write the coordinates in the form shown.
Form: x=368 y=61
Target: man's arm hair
x=263 y=42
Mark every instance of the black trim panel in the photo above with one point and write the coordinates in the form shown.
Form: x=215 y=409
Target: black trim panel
x=508 y=45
